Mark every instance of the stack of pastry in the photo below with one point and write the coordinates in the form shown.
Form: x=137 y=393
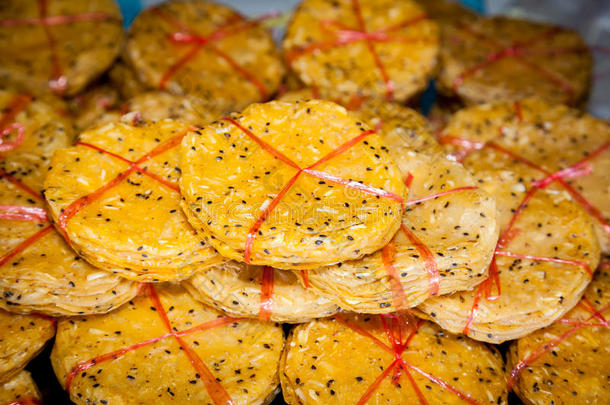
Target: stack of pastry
x=200 y=216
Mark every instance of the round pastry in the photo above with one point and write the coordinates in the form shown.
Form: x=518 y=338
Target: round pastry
x=115 y=197
x=124 y=79
x=57 y=45
x=372 y=49
x=360 y=359
x=96 y=106
x=567 y=362
x=542 y=264
x=165 y=348
x=239 y=289
x=202 y=48
x=571 y=147
x=445 y=243
x=499 y=58
x=22 y=337
x=30 y=131
x=149 y=107
x=291 y=186
x=401 y=127
x=20 y=390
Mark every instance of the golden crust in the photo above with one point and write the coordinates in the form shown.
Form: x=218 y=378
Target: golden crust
x=534 y=292
x=125 y=80
x=237 y=289
x=22 y=337
x=318 y=221
x=21 y=389
x=64 y=57
x=552 y=63
x=552 y=136
x=136 y=227
x=207 y=75
x=575 y=370
x=327 y=362
x=401 y=67
x=44 y=132
x=241 y=355
x=458 y=228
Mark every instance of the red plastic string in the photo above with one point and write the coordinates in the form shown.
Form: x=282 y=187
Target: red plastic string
x=345 y=35
x=548 y=346
x=214 y=389
x=305 y=277
x=308 y=170
x=25 y=244
x=442 y=193
x=388 y=255
x=18 y=103
x=134 y=166
x=186 y=35
x=397 y=347
x=266 y=305
x=21 y=213
x=7 y=146
x=429 y=261
x=58 y=81
x=518 y=51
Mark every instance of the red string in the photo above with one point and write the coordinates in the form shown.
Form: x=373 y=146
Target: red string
x=266 y=305
x=188 y=36
x=25 y=244
x=345 y=35
x=305 y=277
x=308 y=170
x=21 y=213
x=58 y=81
x=134 y=166
x=7 y=146
x=548 y=346
x=518 y=50
x=214 y=389
x=395 y=332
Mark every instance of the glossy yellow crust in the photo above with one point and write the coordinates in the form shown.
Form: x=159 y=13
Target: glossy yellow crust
x=550 y=135
x=351 y=69
x=507 y=79
x=533 y=293
x=459 y=229
x=45 y=131
x=22 y=337
x=84 y=49
x=20 y=388
x=326 y=362
x=49 y=277
x=577 y=369
x=228 y=180
x=235 y=288
x=243 y=356
x=135 y=228
x=207 y=75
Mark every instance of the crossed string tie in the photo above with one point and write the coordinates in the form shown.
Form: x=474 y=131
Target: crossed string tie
x=396 y=326
x=518 y=51
x=215 y=390
x=345 y=35
x=134 y=166
x=549 y=345
x=186 y=35
x=309 y=170
x=58 y=81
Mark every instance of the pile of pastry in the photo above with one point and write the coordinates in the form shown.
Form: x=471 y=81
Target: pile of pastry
x=193 y=213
